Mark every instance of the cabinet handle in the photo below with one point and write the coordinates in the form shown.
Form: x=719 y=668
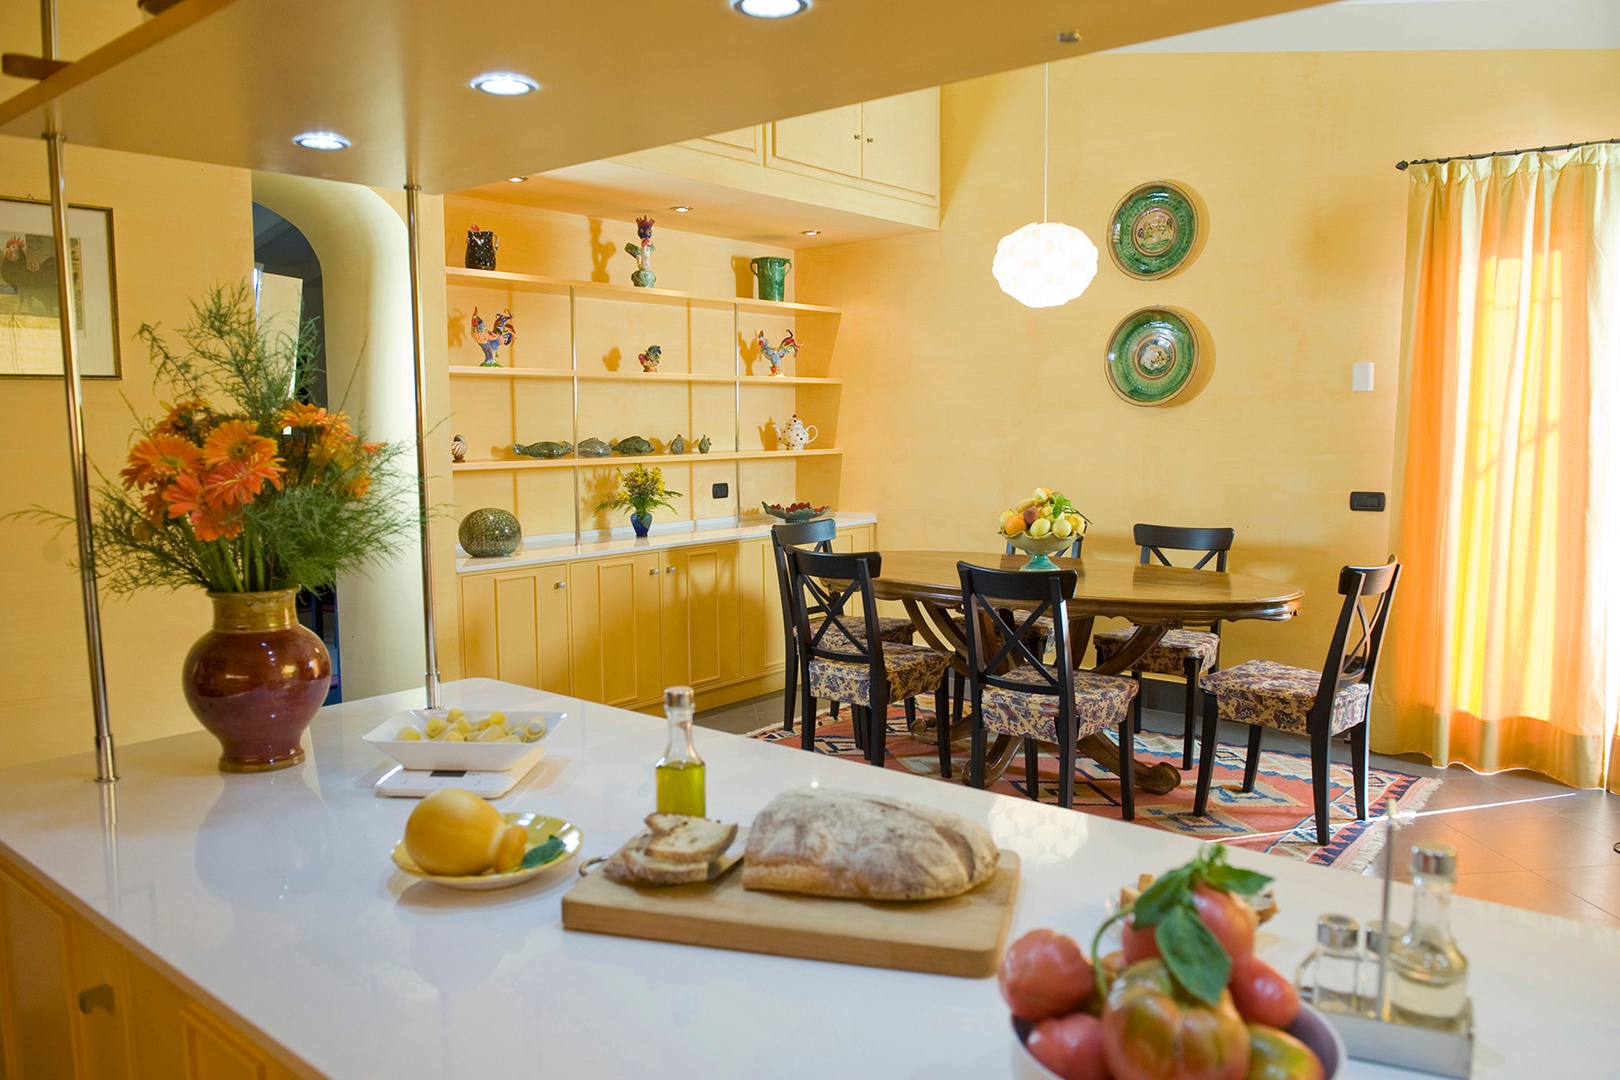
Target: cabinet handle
x=97 y=997
x=856 y=136
x=869 y=138
x=669 y=569
x=653 y=571
x=559 y=585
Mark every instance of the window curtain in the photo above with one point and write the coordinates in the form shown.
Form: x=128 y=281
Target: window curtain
x=1504 y=641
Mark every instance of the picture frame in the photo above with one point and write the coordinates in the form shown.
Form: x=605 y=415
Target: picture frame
x=30 y=333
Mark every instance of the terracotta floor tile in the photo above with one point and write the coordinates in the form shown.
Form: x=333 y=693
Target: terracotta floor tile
x=1598 y=885
x=1539 y=842
x=1472 y=855
x=1523 y=889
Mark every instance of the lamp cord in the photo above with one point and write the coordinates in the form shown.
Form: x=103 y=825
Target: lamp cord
x=1046 y=135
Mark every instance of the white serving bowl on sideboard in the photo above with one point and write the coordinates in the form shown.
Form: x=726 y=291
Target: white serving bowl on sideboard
x=427 y=755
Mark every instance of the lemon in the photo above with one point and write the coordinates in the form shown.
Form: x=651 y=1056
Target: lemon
x=1041 y=495
x=455 y=833
x=1062 y=529
x=1039 y=528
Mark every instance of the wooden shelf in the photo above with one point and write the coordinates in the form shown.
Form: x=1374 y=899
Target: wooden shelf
x=616 y=459
x=475 y=371
x=603 y=290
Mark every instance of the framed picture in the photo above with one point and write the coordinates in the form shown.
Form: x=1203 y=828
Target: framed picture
x=30 y=328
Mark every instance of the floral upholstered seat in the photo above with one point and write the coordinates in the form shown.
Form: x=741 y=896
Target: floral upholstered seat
x=1278 y=696
x=911 y=670
x=1169 y=656
x=1100 y=701
x=894 y=630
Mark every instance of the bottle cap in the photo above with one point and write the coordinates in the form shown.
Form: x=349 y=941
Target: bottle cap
x=1435 y=860
x=679 y=697
x=1376 y=935
x=1337 y=931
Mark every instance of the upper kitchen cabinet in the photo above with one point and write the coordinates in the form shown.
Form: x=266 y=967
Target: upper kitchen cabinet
x=889 y=145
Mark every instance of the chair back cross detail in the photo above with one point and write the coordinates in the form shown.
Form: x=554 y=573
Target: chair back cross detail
x=832 y=582
x=1368 y=592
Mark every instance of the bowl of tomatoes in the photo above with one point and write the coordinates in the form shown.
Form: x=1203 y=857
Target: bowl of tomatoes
x=1184 y=998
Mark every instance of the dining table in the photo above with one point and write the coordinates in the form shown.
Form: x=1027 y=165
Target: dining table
x=1154 y=598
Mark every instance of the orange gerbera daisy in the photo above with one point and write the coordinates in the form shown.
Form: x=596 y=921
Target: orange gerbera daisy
x=157 y=511
x=238 y=442
x=210 y=525
x=160 y=458
x=185 y=495
x=312 y=416
x=192 y=419
x=236 y=483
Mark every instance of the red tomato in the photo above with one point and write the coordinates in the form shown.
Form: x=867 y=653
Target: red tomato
x=1044 y=974
x=1277 y=1055
x=1071 y=1046
x=1262 y=994
x=1153 y=1031
x=1231 y=921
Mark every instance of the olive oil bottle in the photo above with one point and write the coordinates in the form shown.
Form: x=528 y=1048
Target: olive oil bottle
x=680 y=770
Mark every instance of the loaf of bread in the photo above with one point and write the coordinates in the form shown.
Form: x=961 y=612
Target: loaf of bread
x=673 y=849
x=869 y=847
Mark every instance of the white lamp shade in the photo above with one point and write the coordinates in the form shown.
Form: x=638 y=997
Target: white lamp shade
x=1044 y=264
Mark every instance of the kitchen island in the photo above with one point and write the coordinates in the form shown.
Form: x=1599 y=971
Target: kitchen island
x=269 y=909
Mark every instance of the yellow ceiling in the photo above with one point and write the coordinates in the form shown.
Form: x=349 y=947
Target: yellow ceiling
x=232 y=81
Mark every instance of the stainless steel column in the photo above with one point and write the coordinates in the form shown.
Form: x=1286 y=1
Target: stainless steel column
x=419 y=369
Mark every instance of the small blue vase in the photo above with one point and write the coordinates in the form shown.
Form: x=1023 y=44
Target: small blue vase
x=640 y=522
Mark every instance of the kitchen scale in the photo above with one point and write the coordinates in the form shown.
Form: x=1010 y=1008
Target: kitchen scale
x=419 y=783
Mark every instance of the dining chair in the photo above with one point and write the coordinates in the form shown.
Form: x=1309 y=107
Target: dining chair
x=817 y=535
x=1016 y=692
x=1183 y=653
x=1320 y=704
x=844 y=657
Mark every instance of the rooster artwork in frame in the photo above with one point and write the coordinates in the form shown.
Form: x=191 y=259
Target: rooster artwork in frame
x=788 y=347
x=490 y=339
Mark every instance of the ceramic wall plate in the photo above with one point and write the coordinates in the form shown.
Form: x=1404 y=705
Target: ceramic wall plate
x=541 y=829
x=1153 y=231
x=1151 y=356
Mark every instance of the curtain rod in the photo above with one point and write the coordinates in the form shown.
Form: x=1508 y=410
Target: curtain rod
x=1506 y=153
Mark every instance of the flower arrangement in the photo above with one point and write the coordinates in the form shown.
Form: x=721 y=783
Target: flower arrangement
x=241 y=487
x=640 y=490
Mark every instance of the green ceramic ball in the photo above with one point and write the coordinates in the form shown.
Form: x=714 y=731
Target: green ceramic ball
x=489 y=532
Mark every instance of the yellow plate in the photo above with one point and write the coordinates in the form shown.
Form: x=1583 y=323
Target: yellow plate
x=540 y=828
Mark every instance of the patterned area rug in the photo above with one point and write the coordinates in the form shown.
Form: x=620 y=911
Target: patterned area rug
x=1276 y=817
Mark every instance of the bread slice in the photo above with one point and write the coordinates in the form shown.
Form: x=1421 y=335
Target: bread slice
x=689 y=840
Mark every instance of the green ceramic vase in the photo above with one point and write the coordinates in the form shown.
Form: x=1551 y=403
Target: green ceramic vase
x=772 y=274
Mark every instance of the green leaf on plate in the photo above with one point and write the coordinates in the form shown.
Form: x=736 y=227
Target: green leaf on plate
x=1233 y=879
x=1162 y=897
x=542 y=854
x=1193 y=955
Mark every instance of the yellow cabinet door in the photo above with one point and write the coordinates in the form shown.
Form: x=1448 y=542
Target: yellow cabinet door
x=101 y=990
x=514 y=627
x=36 y=1026
x=828 y=140
x=900 y=141
x=760 y=593
x=613 y=615
x=701 y=616
x=740 y=145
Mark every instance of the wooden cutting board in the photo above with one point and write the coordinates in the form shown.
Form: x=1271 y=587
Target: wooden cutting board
x=960 y=936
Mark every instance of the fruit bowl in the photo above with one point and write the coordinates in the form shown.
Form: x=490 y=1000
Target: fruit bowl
x=1309 y=1027
x=1041 y=550
x=794 y=512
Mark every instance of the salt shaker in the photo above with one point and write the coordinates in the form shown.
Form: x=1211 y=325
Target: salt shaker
x=1330 y=976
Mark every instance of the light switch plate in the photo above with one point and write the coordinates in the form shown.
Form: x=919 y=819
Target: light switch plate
x=720 y=491
x=1361 y=376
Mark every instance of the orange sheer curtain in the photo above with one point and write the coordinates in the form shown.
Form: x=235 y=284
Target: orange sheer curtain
x=1504 y=646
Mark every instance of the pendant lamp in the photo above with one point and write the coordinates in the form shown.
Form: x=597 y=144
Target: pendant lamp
x=1045 y=263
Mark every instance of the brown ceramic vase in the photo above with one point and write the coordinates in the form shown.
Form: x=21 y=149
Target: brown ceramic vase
x=256 y=680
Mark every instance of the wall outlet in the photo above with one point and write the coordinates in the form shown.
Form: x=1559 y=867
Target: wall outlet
x=1367 y=500
x=720 y=491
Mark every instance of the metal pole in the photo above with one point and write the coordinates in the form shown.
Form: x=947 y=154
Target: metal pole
x=106 y=762
x=419 y=369
x=47 y=28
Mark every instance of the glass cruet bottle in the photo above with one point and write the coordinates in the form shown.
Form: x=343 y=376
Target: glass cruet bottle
x=1428 y=974
x=1329 y=976
x=1375 y=935
x=680 y=771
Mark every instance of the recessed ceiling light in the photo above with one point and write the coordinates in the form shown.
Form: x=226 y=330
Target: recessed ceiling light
x=516 y=179
x=681 y=209
x=505 y=84
x=811 y=232
x=770 y=9
x=1068 y=37
x=321 y=140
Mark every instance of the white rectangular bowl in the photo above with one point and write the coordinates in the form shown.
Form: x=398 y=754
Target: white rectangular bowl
x=425 y=754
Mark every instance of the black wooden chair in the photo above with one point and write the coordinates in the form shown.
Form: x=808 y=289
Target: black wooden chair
x=1183 y=653
x=1015 y=692
x=817 y=535
x=844 y=658
x=1320 y=704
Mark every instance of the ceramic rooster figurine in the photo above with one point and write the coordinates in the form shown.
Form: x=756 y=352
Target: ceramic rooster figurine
x=789 y=347
x=642 y=276
x=649 y=359
x=490 y=340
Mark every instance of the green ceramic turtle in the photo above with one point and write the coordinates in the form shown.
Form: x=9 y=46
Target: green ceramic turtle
x=677 y=445
x=594 y=448
x=489 y=533
x=544 y=449
x=634 y=446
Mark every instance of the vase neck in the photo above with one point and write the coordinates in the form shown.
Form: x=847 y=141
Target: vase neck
x=254 y=611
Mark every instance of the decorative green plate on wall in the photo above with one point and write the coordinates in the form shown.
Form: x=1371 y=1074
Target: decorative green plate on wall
x=1151 y=356
x=1153 y=231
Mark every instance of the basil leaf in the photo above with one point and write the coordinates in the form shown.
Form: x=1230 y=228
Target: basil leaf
x=1162 y=897
x=1235 y=880
x=1193 y=955
x=544 y=853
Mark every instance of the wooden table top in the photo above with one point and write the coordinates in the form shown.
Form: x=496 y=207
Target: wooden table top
x=1123 y=589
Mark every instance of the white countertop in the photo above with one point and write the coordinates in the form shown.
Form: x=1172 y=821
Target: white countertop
x=273 y=897
x=536 y=554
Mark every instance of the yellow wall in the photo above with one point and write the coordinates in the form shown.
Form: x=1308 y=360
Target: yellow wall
x=177 y=229
x=958 y=400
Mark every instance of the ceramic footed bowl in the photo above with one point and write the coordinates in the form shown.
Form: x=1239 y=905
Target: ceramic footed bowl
x=803 y=513
x=1041 y=550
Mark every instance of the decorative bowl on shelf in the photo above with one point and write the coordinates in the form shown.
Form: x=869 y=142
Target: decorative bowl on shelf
x=1041 y=551
x=794 y=512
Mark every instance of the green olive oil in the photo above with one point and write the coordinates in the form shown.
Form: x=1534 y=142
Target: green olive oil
x=680 y=772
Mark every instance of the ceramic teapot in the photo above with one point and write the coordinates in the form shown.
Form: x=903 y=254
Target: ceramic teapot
x=795 y=436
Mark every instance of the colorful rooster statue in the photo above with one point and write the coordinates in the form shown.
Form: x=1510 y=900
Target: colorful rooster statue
x=642 y=276
x=789 y=347
x=490 y=340
x=649 y=359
